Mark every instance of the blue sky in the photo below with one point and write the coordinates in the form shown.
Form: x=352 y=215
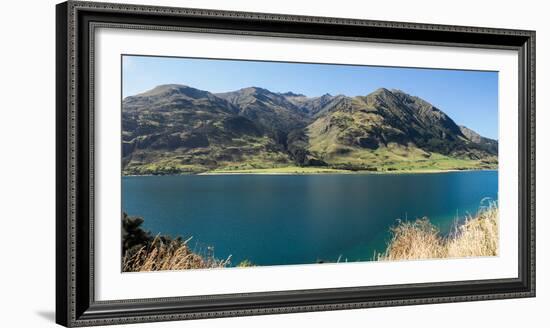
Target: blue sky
x=470 y=98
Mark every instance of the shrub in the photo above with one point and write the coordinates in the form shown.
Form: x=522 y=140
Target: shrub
x=142 y=252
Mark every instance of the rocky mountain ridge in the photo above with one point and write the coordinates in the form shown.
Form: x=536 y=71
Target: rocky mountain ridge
x=175 y=129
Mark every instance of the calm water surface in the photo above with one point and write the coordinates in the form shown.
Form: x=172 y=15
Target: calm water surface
x=293 y=219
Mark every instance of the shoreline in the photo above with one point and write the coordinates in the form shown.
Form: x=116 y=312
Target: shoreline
x=335 y=172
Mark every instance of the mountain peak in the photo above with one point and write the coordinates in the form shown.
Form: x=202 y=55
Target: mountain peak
x=164 y=87
x=383 y=95
x=399 y=91
x=254 y=90
x=174 y=89
x=381 y=91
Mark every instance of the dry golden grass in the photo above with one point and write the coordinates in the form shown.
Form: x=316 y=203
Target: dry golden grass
x=478 y=236
x=172 y=255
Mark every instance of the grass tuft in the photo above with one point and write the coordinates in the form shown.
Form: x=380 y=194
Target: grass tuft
x=168 y=255
x=420 y=239
x=143 y=252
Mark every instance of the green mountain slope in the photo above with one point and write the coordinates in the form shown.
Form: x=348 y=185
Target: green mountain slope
x=393 y=130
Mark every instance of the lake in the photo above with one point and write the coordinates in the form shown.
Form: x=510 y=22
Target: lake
x=296 y=219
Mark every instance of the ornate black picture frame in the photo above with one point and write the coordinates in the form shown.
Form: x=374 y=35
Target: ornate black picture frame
x=75 y=301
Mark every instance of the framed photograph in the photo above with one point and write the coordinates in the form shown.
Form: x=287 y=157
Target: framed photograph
x=214 y=163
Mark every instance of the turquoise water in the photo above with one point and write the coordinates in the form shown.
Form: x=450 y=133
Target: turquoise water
x=296 y=219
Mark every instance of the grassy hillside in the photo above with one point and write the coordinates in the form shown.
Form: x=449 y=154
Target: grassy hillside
x=362 y=136
x=400 y=158
x=176 y=129
x=277 y=170
x=245 y=152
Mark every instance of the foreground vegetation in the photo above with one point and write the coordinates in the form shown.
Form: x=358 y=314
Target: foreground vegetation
x=171 y=255
x=420 y=239
x=142 y=252
x=411 y=240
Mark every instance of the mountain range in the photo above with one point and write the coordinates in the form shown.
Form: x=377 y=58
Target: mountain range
x=174 y=129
